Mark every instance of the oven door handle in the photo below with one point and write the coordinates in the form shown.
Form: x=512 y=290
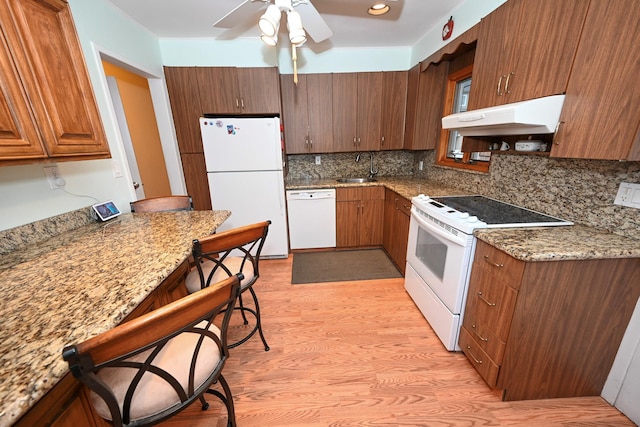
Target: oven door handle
x=460 y=240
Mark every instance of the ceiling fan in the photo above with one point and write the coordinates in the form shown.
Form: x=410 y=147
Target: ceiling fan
x=302 y=17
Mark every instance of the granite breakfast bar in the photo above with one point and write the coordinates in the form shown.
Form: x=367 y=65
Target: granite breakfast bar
x=78 y=284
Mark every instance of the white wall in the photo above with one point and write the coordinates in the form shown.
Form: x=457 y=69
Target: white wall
x=465 y=16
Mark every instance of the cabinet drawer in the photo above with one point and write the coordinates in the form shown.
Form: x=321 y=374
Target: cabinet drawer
x=500 y=264
x=486 y=339
x=490 y=301
x=486 y=367
x=359 y=193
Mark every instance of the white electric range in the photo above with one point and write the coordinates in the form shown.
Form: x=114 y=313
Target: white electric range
x=440 y=252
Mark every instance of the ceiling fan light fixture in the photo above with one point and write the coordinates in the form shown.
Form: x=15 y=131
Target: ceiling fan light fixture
x=269 y=40
x=379 y=9
x=269 y=22
x=297 y=36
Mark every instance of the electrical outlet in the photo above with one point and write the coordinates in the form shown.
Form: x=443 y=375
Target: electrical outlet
x=53 y=176
x=318 y=160
x=421 y=165
x=628 y=195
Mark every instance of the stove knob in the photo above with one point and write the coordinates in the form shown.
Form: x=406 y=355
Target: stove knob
x=463 y=215
x=472 y=219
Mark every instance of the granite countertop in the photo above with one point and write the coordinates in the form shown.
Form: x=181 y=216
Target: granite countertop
x=574 y=242
x=77 y=285
x=405 y=186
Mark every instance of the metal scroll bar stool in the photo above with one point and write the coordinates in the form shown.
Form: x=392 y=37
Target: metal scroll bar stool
x=148 y=369
x=227 y=253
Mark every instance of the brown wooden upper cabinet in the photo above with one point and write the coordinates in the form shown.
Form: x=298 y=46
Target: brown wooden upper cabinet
x=429 y=107
x=357 y=99
x=394 y=105
x=601 y=113
x=184 y=96
x=525 y=50
x=307 y=113
x=47 y=105
x=231 y=90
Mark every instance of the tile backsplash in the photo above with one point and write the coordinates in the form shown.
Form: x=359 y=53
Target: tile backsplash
x=578 y=190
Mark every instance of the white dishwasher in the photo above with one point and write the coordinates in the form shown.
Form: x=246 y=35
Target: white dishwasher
x=312 y=218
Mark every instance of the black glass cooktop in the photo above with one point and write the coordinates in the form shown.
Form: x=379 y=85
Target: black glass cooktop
x=496 y=213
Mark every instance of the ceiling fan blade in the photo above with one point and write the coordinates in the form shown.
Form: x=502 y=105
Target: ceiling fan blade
x=241 y=13
x=312 y=22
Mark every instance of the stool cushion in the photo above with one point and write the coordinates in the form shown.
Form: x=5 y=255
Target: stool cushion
x=153 y=394
x=232 y=263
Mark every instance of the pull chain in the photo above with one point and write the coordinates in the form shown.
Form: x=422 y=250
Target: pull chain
x=295 y=63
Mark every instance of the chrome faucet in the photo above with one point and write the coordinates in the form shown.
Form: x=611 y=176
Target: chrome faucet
x=372 y=172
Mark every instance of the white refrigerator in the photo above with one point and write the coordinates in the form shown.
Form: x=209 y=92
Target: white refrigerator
x=244 y=162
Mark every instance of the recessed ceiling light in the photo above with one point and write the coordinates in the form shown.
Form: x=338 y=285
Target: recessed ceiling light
x=378 y=9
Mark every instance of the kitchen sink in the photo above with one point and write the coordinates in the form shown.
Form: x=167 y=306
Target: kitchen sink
x=356 y=180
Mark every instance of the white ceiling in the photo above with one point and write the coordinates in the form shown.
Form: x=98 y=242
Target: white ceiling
x=404 y=25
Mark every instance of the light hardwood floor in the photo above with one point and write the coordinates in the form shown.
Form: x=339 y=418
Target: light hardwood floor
x=361 y=354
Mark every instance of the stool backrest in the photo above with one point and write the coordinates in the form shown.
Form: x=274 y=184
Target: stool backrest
x=144 y=338
x=163 y=204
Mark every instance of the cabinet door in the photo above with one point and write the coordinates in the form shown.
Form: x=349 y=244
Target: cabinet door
x=493 y=52
x=347 y=218
x=320 y=107
x=371 y=222
x=389 y=220
x=195 y=177
x=219 y=93
x=369 y=111
x=295 y=114
x=601 y=113
x=546 y=47
x=259 y=90
x=345 y=111
x=520 y=58
x=50 y=61
x=396 y=227
x=184 y=96
x=431 y=90
x=413 y=80
x=19 y=137
x=394 y=103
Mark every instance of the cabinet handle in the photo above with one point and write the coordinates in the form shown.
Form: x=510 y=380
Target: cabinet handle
x=495 y=264
x=354 y=141
x=237 y=103
x=506 y=83
x=479 y=362
x=358 y=141
x=475 y=331
x=242 y=102
x=500 y=84
x=555 y=141
x=311 y=142
x=486 y=301
x=383 y=140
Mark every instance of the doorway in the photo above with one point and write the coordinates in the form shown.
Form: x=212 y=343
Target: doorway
x=133 y=105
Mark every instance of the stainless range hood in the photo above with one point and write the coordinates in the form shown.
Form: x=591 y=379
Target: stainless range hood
x=536 y=116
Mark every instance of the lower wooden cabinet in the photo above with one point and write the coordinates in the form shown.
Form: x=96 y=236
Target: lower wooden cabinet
x=546 y=329
x=67 y=404
x=397 y=214
x=359 y=216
